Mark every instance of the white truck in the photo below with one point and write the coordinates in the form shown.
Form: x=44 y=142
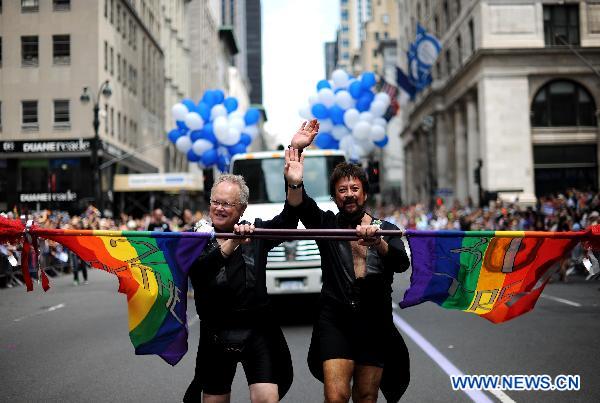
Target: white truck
x=292 y=267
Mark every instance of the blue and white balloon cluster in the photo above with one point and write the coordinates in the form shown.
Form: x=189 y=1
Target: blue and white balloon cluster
x=350 y=114
x=213 y=130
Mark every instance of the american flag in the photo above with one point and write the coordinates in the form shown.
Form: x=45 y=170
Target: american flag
x=392 y=91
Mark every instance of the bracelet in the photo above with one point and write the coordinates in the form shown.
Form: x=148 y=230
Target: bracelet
x=297 y=186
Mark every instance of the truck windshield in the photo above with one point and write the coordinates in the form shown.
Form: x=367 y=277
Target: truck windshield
x=265 y=177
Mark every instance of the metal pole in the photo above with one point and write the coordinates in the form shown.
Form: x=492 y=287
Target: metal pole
x=95 y=163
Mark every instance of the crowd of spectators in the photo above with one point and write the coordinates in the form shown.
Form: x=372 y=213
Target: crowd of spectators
x=572 y=210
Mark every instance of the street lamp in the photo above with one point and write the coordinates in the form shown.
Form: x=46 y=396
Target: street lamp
x=85 y=97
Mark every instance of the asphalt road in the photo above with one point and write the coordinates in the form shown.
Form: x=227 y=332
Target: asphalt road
x=71 y=344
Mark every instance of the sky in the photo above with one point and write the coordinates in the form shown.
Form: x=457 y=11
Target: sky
x=293 y=37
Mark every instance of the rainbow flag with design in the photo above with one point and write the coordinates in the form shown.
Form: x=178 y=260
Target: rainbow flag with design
x=152 y=268
x=495 y=274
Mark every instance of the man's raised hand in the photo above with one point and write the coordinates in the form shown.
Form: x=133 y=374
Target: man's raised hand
x=294 y=166
x=305 y=134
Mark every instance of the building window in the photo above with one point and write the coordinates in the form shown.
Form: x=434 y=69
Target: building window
x=112 y=61
x=0 y=51
x=30 y=6
x=61 y=48
x=459 y=49
x=446 y=15
x=124 y=73
x=119 y=125
x=105 y=113
x=376 y=36
x=448 y=62
x=561 y=24
x=62 y=115
x=124 y=23
x=112 y=121
x=118 y=67
x=106 y=9
x=472 y=35
x=118 y=18
x=30 y=114
x=61 y=5
x=29 y=50
x=344 y=28
x=344 y=15
x=563 y=103
x=105 y=56
x=112 y=10
x=0 y=116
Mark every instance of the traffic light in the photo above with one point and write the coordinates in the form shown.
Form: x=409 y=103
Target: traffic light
x=373 y=176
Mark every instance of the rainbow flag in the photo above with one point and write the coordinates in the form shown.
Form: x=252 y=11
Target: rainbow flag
x=495 y=274
x=152 y=268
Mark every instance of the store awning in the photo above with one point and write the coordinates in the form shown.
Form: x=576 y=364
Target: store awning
x=167 y=182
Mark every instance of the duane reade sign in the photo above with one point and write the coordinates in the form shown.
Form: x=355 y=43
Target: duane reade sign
x=57 y=146
x=48 y=197
x=158 y=182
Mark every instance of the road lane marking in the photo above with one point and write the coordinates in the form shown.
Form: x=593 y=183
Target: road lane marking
x=444 y=363
x=50 y=309
x=564 y=301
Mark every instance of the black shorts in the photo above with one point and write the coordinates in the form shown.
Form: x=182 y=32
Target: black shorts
x=352 y=335
x=216 y=365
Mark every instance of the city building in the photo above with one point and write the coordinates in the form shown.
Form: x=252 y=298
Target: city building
x=512 y=110
x=176 y=46
x=50 y=51
x=331 y=56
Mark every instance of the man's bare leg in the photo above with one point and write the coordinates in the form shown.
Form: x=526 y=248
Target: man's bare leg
x=264 y=393
x=366 y=383
x=337 y=375
x=216 y=398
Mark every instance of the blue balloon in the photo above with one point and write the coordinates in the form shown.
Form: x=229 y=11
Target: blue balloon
x=368 y=94
x=192 y=156
x=181 y=125
x=219 y=96
x=174 y=135
x=337 y=115
x=204 y=111
x=320 y=111
x=209 y=98
x=196 y=135
x=231 y=104
x=335 y=145
x=381 y=143
x=238 y=148
x=368 y=80
x=245 y=139
x=191 y=105
x=355 y=89
x=222 y=163
x=323 y=84
x=252 y=116
x=209 y=157
x=324 y=140
x=209 y=134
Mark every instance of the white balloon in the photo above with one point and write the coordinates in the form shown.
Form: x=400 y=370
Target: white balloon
x=233 y=137
x=183 y=144
x=378 y=108
x=179 y=111
x=327 y=97
x=238 y=123
x=383 y=97
x=340 y=78
x=379 y=122
x=351 y=117
x=344 y=99
x=325 y=125
x=346 y=145
x=339 y=131
x=313 y=99
x=251 y=130
x=201 y=145
x=305 y=113
x=377 y=133
x=236 y=114
x=220 y=126
x=364 y=147
x=366 y=117
x=194 y=121
x=218 y=110
x=361 y=130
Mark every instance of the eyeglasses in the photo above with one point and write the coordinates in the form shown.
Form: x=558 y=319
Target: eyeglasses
x=225 y=205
